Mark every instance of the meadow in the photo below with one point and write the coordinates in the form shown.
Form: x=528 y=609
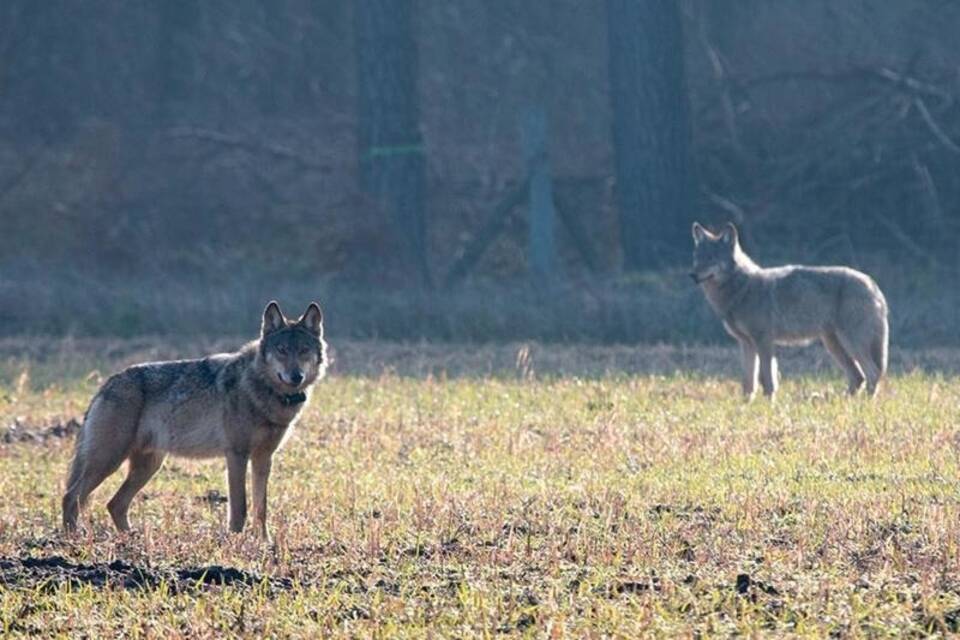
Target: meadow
x=522 y=490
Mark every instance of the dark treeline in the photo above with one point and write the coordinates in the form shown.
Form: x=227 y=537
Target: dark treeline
x=390 y=143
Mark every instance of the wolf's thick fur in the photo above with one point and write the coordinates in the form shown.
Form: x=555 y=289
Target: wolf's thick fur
x=762 y=308
x=238 y=405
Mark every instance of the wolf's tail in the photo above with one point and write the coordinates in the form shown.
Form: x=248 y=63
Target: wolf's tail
x=73 y=497
x=879 y=345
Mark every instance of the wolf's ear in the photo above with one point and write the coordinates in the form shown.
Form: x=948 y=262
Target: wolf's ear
x=729 y=234
x=312 y=319
x=273 y=319
x=699 y=233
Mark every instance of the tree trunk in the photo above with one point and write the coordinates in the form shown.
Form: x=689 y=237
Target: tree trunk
x=541 y=246
x=174 y=61
x=651 y=131
x=392 y=164
x=45 y=54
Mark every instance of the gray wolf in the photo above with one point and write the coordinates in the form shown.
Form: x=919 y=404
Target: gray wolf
x=765 y=307
x=238 y=405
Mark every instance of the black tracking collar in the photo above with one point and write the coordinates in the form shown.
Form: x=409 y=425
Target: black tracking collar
x=293 y=399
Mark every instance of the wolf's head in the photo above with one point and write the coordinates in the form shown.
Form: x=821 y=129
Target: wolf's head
x=293 y=353
x=714 y=254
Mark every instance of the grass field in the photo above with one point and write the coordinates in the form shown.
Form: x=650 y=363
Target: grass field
x=507 y=499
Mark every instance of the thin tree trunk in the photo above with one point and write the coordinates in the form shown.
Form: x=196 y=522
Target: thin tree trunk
x=541 y=245
x=392 y=164
x=651 y=130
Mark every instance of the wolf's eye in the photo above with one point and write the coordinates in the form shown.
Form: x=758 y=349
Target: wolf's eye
x=282 y=350
x=303 y=352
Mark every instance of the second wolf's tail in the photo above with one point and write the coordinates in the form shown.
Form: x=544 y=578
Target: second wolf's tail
x=879 y=345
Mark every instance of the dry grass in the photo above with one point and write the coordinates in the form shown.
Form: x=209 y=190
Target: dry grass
x=519 y=502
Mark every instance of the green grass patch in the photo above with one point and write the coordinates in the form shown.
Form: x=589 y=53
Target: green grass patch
x=548 y=506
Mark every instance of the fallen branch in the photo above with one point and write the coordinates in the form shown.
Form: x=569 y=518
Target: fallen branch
x=493 y=227
x=254 y=147
x=934 y=127
x=883 y=75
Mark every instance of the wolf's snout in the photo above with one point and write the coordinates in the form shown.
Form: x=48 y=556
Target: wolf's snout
x=296 y=377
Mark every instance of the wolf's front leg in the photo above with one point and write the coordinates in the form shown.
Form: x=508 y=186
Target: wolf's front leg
x=751 y=366
x=768 y=368
x=260 y=465
x=237 y=484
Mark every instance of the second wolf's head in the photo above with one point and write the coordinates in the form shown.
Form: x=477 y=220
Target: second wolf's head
x=292 y=352
x=715 y=255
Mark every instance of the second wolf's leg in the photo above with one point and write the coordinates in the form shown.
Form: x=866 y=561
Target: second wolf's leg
x=860 y=351
x=855 y=377
x=142 y=467
x=768 y=367
x=751 y=367
x=237 y=484
x=260 y=466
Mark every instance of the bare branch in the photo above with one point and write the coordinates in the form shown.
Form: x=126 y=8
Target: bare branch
x=939 y=133
x=250 y=146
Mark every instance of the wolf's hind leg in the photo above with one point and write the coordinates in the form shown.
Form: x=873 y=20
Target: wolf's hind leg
x=97 y=468
x=859 y=350
x=855 y=377
x=142 y=467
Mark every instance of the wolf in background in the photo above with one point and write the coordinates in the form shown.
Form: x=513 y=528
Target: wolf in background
x=237 y=405
x=764 y=307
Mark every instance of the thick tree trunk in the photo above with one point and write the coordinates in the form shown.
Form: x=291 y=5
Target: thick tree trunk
x=46 y=51
x=174 y=61
x=392 y=165
x=651 y=131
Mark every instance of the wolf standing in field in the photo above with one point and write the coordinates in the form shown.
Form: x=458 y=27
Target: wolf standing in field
x=238 y=405
x=762 y=308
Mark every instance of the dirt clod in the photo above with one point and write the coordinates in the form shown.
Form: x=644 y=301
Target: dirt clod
x=747 y=585
x=51 y=572
x=18 y=431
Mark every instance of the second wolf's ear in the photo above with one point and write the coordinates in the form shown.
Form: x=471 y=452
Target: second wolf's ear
x=699 y=233
x=273 y=319
x=729 y=234
x=312 y=319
